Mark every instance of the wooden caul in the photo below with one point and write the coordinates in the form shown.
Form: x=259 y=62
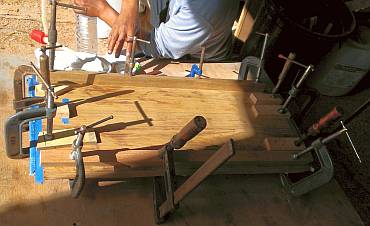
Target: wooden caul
x=148 y=111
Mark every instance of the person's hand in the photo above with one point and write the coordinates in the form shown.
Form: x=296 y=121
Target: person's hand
x=94 y=8
x=123 y=29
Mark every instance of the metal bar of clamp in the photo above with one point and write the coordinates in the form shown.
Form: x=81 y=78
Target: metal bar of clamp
x=329 y=138
x=260 y=65
x=295 y=88
x=76 y=185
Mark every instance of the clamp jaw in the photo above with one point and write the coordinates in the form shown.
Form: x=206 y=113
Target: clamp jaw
x=316 y=179
x=13 y=131
x=324 y=174
x=21 y=101
x=166 y=194
x=14 y=125
x=193 y=128
x=76 y=185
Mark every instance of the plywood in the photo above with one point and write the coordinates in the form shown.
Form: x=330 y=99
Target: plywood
x=149 y=110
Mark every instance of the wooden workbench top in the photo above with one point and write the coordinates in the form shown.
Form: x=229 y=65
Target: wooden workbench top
x=149 y=110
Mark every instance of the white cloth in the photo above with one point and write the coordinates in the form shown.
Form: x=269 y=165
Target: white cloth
x=67 y=60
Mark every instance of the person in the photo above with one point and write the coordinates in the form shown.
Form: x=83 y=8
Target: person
x=190 y=24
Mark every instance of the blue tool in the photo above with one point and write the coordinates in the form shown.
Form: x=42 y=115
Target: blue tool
x=195 y=70
x=35 y=127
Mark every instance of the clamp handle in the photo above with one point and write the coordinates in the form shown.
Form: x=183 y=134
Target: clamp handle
x=193 y=128
x=328 y=119
x=38 y=36
x=100 y=121
x=350 y=141
x=292 y=61
x=325 y=140
x=44 y=48
x=323 y=123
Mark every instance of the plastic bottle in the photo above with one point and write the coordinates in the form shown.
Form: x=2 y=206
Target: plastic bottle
x=86 y=34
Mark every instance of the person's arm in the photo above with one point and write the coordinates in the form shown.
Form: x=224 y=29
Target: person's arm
x=123 y=28
x=98 y=8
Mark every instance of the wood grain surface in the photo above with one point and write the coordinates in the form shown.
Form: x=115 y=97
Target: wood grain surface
x=149 y=110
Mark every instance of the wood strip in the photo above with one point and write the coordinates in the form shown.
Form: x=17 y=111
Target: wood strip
x=264 y=99
x=214 y=162
x=132 y=162
x=64 y=141
x=83 y=78
x=59 y=90
x=98 y=170
x=115 y=171
x=268 y=111
x=245 y=24
x=281 y=144
x=151 y=157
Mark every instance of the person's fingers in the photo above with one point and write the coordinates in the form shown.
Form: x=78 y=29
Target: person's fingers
x=118 y=48
x=112 y=41
x=83 y=12
x=80 y=3
x=119 y=43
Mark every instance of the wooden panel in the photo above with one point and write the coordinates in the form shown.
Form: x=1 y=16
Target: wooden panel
x=245 y=24
x=128 y=143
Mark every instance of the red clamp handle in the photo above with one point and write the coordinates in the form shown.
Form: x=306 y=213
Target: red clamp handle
x=38 y=36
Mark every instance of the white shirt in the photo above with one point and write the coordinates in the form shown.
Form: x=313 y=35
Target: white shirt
x=192 y=24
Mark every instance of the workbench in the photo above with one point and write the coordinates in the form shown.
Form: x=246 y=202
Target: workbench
x=128 y=145
x=237 y=200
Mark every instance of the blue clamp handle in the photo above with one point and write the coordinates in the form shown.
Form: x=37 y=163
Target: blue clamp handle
x=195 y=70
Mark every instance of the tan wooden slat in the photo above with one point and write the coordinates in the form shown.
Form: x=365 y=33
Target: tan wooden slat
x=268 y=111
x=264 y=98
x=282 y=144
